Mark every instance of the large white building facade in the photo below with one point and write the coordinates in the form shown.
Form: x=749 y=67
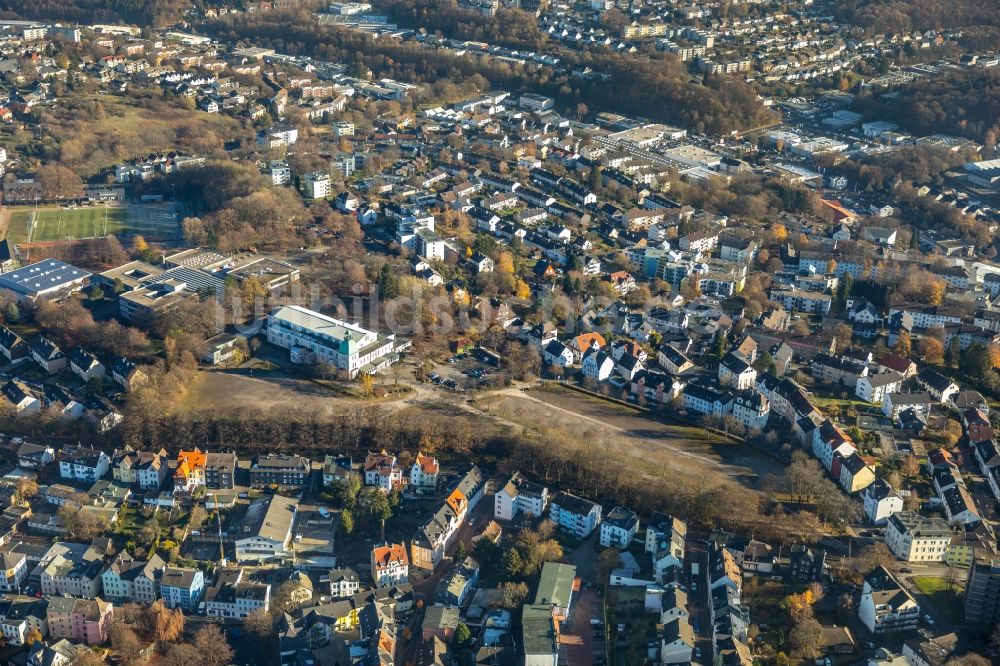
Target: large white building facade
x=312 y=337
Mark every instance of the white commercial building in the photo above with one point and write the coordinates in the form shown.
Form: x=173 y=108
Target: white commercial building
x=312 y=337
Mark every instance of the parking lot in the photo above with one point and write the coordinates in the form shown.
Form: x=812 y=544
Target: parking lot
x=463 y=372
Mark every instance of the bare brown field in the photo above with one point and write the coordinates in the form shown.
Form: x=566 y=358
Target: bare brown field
x=654 y=446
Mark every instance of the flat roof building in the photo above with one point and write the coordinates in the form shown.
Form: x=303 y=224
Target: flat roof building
x=48 y=278
x=312 y=337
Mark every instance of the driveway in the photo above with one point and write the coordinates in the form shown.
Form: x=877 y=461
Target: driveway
x=577 y=636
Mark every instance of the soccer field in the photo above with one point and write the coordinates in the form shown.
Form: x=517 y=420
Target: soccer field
x=52 y=224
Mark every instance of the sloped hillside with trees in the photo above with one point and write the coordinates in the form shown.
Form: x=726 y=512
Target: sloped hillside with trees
x=965 y=103
x=139 y=12
x=909 y=15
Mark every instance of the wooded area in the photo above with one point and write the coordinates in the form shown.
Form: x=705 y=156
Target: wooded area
x=907 y=15
x=140 y=12
x=964 y=102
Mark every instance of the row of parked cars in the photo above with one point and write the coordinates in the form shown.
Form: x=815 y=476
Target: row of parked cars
x=449 y=384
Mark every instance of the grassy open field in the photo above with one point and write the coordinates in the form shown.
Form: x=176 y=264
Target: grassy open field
x=51 y=223
x=947 y=600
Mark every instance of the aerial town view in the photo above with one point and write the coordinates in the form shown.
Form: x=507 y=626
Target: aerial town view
x=499 y=332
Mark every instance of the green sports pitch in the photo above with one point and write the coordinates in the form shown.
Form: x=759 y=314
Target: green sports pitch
x=57 y=223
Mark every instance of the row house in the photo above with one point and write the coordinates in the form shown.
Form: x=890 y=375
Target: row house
x=146 y=470
x=282 y=470
x=231 y=597
x=15 y=570
x=128 y=374
x=72 y=574
x=987 y=456
x=828 y=442
x=47 y=355
x=431 y=542
x=856 y=473
x=130 y=580
x=842 y=370
x=977 y=425
x=958 y=505
x=21 y=616
x=672 y=360
x=80 y=620
x=751 y=409
x=707 y=400
x=12 y=346
x=937 y=385
x=212 y=470
x=788 y=399
x=430 y=545
x=20 y=396
x=182 y=587
x=85 y=365
x=666 y=537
